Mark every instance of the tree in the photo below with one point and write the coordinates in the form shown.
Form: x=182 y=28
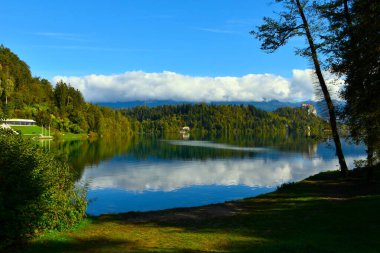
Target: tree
x=8 y=89
x=1 y=88
x=293 y=22
x=353 y=41
x=61 y=96
x=37 y=190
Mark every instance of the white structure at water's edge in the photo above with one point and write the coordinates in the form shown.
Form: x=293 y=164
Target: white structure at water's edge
x=19 y=122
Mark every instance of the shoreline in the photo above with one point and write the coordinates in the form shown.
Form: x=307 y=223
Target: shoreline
x=232 y=207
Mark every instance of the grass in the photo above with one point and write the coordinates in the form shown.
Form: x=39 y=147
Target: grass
x=323 y=213
x=29 y=130
x=37 y=130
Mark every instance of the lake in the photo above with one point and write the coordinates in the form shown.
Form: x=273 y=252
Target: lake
x=153 y=173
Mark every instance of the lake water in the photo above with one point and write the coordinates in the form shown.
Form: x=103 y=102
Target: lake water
x=151 y=173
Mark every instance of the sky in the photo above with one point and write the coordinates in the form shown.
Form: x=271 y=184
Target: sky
x=187 y=50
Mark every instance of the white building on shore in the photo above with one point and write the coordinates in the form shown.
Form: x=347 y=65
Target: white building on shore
x=19 y=122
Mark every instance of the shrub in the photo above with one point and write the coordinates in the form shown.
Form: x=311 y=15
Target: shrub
x=37 y=190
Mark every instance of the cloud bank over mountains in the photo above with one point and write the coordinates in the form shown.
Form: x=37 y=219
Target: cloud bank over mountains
x=139 y=85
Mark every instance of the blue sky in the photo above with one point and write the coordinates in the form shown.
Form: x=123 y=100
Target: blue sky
x=75 y=40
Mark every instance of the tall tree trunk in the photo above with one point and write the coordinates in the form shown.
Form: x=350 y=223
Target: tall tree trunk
x=326 y=93
x=370 y=152
x=354 y=69
x=347 y=15
x=370 y=156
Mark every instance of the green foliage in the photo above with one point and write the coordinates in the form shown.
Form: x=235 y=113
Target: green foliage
x=353 y=48
x=223 y=119
x=275 y=34
x=37 y=190
x=68 y=99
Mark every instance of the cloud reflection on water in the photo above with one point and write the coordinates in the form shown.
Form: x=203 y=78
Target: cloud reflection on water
x=170 y=175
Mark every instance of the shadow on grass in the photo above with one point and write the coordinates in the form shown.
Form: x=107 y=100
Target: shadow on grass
x=96 y=244
x=298 y=226
x=316 y=215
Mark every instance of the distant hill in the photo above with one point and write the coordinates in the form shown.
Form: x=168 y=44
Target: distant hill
x=267 y=105
x=271 y=105
x=224 y=119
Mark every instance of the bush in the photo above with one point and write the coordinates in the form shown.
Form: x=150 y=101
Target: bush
x=37 y=191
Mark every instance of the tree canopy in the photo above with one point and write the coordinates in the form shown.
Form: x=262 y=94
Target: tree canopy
x=224 y=119
x=351 y=44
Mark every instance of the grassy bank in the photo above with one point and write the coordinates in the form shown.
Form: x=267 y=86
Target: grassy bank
x=323 y=213
x=30 y=130
x=37 y=131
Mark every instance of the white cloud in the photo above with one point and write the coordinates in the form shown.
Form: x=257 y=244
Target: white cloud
x=306 y=82
x=302 y=83
x=139 y=85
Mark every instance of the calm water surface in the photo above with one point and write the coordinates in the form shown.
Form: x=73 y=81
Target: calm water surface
x=158 y=173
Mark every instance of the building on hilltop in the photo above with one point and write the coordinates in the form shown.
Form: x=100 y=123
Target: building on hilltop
x=310 y=109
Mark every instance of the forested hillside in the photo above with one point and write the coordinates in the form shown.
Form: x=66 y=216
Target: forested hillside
x=60 y=106
x=224 y=119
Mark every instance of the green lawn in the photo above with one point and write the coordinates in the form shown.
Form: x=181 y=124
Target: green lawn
x=323 y=213
x=29 y=130
x=37 y=130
